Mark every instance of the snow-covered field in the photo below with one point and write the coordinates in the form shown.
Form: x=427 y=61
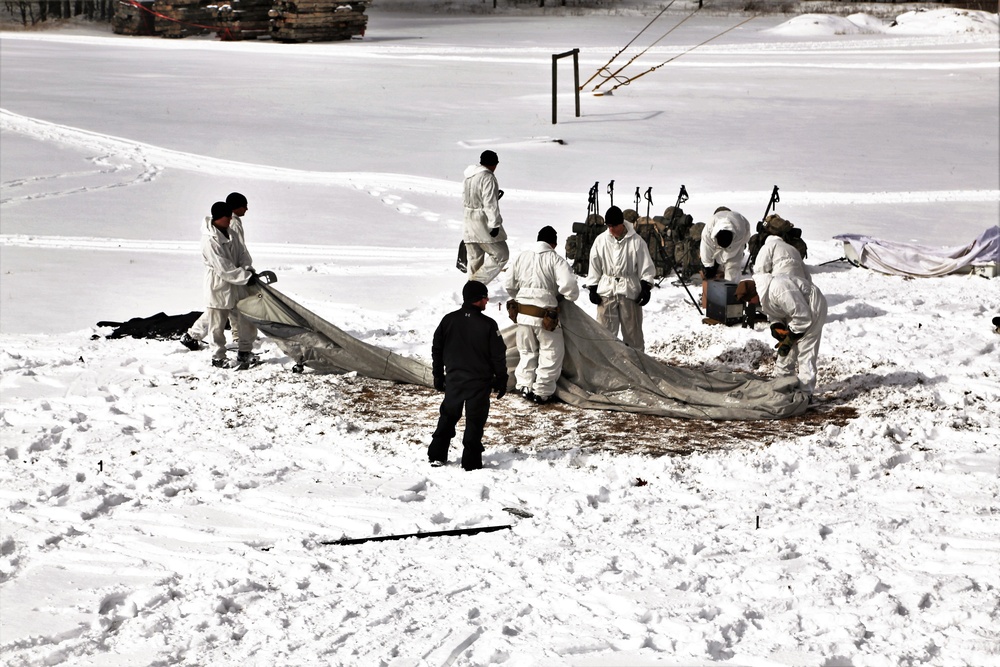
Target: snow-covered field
x=157 y=511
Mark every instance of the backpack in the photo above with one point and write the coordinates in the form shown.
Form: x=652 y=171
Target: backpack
x=653 y=232
x=683 y=239
x=775 y=225
x=579 y=242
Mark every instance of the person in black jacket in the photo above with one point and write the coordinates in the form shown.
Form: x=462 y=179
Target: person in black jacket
x=469 y=360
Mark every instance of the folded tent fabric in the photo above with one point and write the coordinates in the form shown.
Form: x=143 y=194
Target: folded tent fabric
x=599 y=372
x=922 y=261
x=312 y=341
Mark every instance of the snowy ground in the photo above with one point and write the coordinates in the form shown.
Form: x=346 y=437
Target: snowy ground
x=157 y=511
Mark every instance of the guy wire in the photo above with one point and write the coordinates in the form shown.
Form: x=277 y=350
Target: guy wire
x=622 y=50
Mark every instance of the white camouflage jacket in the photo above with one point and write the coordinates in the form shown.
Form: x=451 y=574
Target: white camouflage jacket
x=617 y=266
x=226 y=266
x=778 y=258
x=538 y=278
x=712 y=252
x=794 y=301
x=482 y=210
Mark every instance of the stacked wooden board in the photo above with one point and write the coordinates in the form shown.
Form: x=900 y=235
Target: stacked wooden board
x=318 y=20
x=282 y=20
x=243 y=19
x=133 y=18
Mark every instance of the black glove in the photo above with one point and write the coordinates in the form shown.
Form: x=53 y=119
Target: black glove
x=595 y=298
x=267 y=277
x=439 y=382
x=786 y=338
x=645 y=293
x=253 y=280
x=494 y=231
x=499 y=195
x=709 y=272
x=501 y=386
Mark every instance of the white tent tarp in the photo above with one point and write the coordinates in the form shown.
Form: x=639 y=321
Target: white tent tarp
x=600 y=372
x=912 y=259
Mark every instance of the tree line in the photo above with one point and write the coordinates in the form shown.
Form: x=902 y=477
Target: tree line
x=30 y=12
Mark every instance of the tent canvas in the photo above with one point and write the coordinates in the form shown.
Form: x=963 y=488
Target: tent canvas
x=312 y=341
x=912 y=259
x=599 y=372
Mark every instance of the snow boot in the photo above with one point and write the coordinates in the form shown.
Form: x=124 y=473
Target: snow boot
x=245 y=360
x=190 y=343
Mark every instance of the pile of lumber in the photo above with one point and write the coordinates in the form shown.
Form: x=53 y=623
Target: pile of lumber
x=243 y=19
x=318 y=20
x=133 y=18
x=282 y=20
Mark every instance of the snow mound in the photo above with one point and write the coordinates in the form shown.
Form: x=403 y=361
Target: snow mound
x=867 y=23
x=948 y=21
x=809 y=25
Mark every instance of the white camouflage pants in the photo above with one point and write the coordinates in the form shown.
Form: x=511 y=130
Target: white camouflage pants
x=542 y=354
x=217 y=318
x=802 y=359
x=620 y=312
x=486 y=260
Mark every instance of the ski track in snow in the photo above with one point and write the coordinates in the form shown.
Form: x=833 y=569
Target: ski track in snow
x=192 y=247
x=153 y=160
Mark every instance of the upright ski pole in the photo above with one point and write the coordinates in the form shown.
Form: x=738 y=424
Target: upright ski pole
x=682 y=196
x=591 y=202
x=611 y=191
x=760 y=225
x=638 y=198
x=771 y=202
x=649 y=199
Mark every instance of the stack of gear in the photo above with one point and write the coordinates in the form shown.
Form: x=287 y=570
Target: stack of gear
x=654 y=233
x=673 y=239
x=579 y=242
x=775 y=225
x=684 y=239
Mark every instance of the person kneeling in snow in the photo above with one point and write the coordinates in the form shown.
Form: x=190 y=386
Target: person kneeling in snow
x=797 y=310
x=539 y=280
x=469 y=359
x=227 y=271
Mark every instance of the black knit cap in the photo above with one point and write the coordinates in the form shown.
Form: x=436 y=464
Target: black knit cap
x=614 y=216
x=724 y=238
x=474 y=291
x=548 y=235
x=489 y=159
x=221 y=209
x=236 y=200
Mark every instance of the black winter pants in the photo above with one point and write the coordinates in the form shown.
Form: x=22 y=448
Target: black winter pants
x=476 y=401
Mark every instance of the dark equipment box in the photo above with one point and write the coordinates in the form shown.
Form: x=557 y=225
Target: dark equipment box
x=722 y=304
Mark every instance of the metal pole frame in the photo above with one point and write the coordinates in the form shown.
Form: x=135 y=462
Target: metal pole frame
x=576 y=79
